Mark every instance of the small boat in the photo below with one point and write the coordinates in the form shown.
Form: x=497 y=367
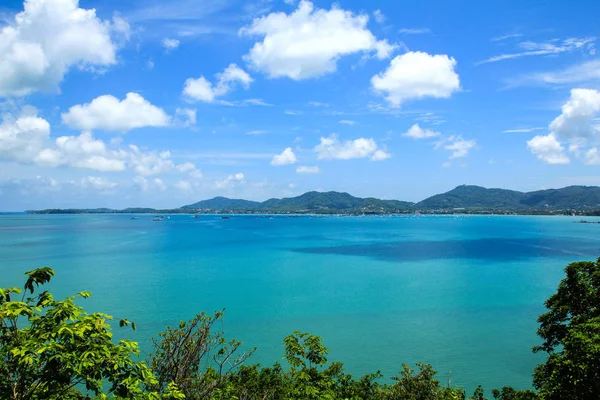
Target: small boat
x=134 y=218
x=225 y=217
x=157 y=219
x=196 y=216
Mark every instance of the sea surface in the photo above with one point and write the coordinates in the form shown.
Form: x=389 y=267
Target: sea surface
x=459 y=292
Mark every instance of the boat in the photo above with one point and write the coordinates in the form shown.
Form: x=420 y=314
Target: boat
x=225 y=217
x=157 y=219
x=134 y=218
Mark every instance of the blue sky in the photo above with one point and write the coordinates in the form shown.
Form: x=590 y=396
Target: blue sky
x=153 y=103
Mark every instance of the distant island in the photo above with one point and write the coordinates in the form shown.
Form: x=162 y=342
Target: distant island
x=464 y=199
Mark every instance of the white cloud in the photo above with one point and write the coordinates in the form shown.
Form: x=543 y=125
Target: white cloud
x=414 y=31
x=285 y=158
x=592 y=157
x=459 y=147
x=98 y=183
x=551 y=47
x=522 y=130
x=379 y=17
x=160 y=185
x=187 y=116
x=548 y=149
x=415 y=75
x=504 y=37
x=111 y=114
x=584 y=72
x=183 y=185
x=576 y=126
x=304 y=169
x=230 y=181
x=347 y=122
x=190 y=169
x=83 y=151
x=23 y=138
x=380 y=155
x=293 y=112
x=256 y=132
x=332 y=148
x=26 y=139
x=257 y=102
x=48 y=38
x=202 y=90
x=169 y=44
x=308 y=42
x=416 y=132
x=150 y=163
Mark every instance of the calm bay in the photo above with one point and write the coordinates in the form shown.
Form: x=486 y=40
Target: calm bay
x=459 y=292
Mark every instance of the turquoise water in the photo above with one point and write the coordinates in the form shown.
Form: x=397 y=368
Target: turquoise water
x=462 y=293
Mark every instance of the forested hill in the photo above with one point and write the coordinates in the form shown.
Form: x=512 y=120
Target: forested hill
x=465 y=198
x=477 y=197
x=308 y=202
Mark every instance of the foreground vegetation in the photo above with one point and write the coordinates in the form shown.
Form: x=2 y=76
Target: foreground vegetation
x=52 y=349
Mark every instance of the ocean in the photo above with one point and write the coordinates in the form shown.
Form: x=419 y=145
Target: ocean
x=459 y=292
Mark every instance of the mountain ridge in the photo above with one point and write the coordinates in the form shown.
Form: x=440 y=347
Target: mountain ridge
x=468 y=198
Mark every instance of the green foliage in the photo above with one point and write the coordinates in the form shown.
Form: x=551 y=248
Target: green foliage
x=55 y=350
x=571 y=336
x=195 y=357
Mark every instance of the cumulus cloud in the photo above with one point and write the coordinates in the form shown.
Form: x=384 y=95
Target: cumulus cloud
x=230 y=181
x=111 y=114
x=304 y=169
x=332 y=148
x=26 y=139
x=416 y=132
x=415 y=75
x=201 y=89
x=308 y=42
x=169 y=44
x=285 y=158
x=576 y=126
x=23 y=138
x=83 y=151
x=457 y=146
x=48 y=38
x=97 y=183
x=548 y=149
x=347 y=122
x=187 y=116
x=190 y=169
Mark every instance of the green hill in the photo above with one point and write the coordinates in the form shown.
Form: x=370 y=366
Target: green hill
x=468 y=196
x=223 y=203
x=477 y=197
x=310 y=201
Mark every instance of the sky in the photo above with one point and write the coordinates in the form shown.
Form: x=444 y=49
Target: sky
x=150 y=103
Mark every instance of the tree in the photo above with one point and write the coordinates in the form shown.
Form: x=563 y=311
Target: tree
x=195 y=357
x=55 y=350
x=421 y=385
x=571 y=336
